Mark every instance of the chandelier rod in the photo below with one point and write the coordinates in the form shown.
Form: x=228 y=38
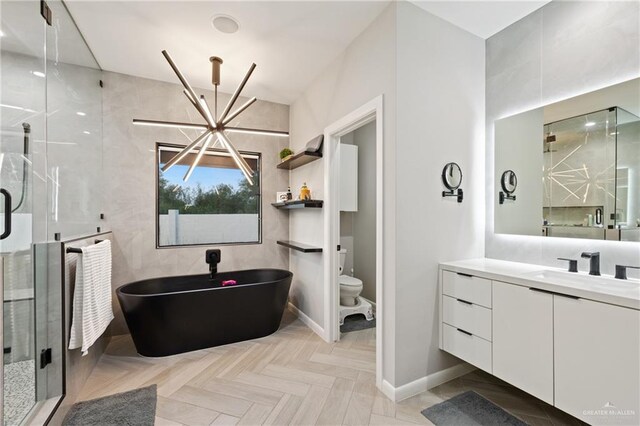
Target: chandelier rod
x=179 y=156
x=236 y=94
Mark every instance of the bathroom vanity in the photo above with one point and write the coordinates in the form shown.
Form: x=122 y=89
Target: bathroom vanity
x=569 y=339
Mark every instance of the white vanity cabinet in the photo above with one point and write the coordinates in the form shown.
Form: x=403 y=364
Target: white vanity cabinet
x=523 y=339
x=596 y=355
x=466 y=318
x=575 y=348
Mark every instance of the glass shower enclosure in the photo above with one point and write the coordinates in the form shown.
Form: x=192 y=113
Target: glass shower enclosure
x=50 y=163
x=590 y=176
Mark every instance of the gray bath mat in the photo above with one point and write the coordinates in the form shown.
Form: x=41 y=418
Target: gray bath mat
x=469 y=409
x=355 y=323
x=133 y=408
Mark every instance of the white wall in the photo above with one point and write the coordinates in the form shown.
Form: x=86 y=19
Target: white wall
x=553 y=54
x=184 y=229
x=365 y=70
x=440 y=119
x=431 y=74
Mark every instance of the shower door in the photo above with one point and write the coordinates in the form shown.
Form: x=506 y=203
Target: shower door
x=24 y=251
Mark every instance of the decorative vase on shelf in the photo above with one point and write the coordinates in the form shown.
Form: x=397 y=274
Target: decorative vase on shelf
x=305 y=192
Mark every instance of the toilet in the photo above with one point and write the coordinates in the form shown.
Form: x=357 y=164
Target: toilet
x=350 y=288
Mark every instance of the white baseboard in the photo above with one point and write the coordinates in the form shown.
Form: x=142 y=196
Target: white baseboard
x=307 y=321
x=425 y=383
x=448 y=374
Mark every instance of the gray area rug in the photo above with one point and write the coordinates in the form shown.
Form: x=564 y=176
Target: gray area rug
x=469 y=409
x=355 y=323
x=133 y=408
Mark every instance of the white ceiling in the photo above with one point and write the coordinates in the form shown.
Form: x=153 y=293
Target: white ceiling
x=292 y=42
x=482 y=18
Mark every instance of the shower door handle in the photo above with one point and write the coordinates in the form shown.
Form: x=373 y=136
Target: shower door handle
x=7 y=213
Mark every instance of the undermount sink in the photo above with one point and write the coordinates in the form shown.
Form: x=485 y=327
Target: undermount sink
x=599 y=283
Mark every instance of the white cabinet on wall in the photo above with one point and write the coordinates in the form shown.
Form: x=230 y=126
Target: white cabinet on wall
x=597 y=345
x=348 y=177
x=523 y=339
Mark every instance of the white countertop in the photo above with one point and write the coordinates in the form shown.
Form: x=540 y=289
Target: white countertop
x=604 y=289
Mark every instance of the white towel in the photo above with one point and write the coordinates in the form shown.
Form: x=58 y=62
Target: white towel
x=92 y=311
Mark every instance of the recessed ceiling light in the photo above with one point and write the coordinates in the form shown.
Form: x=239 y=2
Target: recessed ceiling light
x=590 y=124
x=1 y=33
x=81 y=114
x=38 y=74
x=225 y=24
x=86 y=132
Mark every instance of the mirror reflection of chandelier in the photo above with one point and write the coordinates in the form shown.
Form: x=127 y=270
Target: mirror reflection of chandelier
x=214 y=126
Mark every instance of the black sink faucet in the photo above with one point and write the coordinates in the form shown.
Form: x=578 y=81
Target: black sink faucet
x=573 y=264
x=213 y=257
x=594 y=262
x=621 y=271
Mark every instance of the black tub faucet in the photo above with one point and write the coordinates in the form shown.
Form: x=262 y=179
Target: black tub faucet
x=213 y=257
x=594 y=262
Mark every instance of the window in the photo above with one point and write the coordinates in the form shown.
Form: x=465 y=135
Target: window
x=216 y=206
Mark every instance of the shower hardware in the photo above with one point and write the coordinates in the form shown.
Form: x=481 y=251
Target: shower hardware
x=26 y=128
x=214 y=125
x=7 y=213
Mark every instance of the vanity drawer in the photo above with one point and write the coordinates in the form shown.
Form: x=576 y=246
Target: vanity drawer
x=459 y=313
x=473 y=349
x=467 y=287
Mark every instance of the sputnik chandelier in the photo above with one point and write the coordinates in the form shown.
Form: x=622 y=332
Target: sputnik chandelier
x=214 y=126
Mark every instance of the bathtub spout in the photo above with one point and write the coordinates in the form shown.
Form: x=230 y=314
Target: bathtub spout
x=213 y=257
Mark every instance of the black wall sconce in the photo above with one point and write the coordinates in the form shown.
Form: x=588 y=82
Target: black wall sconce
x=509 y=183
x=452 y=178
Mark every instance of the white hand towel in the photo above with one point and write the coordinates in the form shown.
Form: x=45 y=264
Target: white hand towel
x=92 y=311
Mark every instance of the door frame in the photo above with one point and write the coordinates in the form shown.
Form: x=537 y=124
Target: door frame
x=371 y=111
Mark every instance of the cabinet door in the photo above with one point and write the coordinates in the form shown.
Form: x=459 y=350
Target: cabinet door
x=597 y=361
x=523 y=339
x=348 y=177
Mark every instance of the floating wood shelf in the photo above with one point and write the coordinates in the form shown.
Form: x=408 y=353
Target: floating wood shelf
x=299 y=204
x=304 y=248
x=299 y=159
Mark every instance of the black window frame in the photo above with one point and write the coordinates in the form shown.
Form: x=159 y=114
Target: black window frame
x=210 y=151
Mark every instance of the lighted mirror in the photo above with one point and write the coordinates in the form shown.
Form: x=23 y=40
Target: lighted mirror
x=576 y=164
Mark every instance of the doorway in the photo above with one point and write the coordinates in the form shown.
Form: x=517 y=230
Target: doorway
x=368 y=119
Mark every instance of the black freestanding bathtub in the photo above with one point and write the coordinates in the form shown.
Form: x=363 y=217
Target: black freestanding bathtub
x=171 y=315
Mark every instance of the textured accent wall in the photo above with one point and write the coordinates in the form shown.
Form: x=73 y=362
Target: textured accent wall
x=562 y=50
x=130 y=174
